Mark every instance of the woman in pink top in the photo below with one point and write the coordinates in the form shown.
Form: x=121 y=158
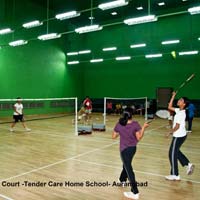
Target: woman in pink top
x=130 y=133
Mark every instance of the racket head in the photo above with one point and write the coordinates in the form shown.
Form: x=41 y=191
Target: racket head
x=163 y=114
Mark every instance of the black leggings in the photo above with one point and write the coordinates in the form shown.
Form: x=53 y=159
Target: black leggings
x=175 y=154
x=127 y=172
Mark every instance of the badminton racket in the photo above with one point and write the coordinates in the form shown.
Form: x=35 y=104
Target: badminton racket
x=185 y=82
x=163 y=114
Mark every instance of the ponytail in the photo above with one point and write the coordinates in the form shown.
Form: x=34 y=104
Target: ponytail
x=127 y=114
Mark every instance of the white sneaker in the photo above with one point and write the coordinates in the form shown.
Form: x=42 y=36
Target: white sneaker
x=123 y=183
x=28 y=129
x=11 y=130
x=190 y=168
x=173 y=178
x=189 y=131
x=131 y=195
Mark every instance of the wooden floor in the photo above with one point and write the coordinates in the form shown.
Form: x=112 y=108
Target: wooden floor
x=52 y=154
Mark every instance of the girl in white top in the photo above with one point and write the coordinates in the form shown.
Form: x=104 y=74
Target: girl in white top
x=18 y=115
x=179 y=136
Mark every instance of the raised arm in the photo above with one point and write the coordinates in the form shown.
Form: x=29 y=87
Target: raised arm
x=170 y=106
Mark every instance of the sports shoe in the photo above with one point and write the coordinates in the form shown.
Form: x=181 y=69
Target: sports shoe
x=28 y=129
x=189 y=131
x=173 y=178
x=123 y=183
x=131 y=195
x=190 y=169
x=11 y=130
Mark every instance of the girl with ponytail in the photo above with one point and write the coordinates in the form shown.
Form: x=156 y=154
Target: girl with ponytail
x=130 y=133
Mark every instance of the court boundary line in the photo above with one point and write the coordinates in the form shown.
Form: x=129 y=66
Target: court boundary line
x=6 y=197
x=58 y=162
x=141 y=172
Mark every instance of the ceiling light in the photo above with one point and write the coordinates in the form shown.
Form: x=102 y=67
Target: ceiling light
x=194 y=10
x=184 y=0
x=123 y=58
x=18 y=43
x=68 y=15
x=5 y=31
x=170 y=42
x=153 y=55
x=72 y=53
x=199 y=38
x=110 y=49
x=139 y=8
x=139 y=20
x=32 y=24
x=73 y=62
x=86 y=29
x=188 y=53
x=113 y=4
x=84 y=52
x=96 y=60
x=138 y=45
x=49 y=36
x=161 y=3
x=114 y=13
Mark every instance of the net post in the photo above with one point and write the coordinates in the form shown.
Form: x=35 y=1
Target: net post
x=104 y=112
x=76 y=116
x=146 y=111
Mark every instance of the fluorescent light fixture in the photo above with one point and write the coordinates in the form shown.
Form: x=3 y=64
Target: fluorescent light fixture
x=73 y=62
x=32 y=24
x=184 y=0
x=123 y=58
x=194 y=10
x=68 y=15
x=86 y=29
x=84 y=52
x=49 y=36
x=5 y=31
x=18 y=43
x=112 y=4
x=199 y=38
x=72 y=53
x=140 y=20
x=138 y=45
x=139 y=8
x=188 y=53
x=161 y=3
x=96 y=60
x=110 y=49
x=114 y=13
x=153 y=55
x=170 y=42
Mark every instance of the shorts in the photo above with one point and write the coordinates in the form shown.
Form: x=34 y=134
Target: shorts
x=18 y=118
x=88 y=111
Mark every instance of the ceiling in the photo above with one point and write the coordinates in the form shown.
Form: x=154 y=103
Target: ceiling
x=104 y=17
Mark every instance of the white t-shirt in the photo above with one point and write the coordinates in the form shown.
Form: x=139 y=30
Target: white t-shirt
x=19 y=108
x=179 y=118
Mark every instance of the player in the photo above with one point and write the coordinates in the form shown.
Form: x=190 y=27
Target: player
x=179 y=137
x=130 y=133
x=18 y=115
x=87 y=104
x=190 y=115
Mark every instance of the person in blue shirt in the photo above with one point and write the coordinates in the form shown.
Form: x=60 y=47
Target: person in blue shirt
x=190 y=115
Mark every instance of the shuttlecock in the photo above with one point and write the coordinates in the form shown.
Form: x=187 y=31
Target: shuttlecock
x=173 y=53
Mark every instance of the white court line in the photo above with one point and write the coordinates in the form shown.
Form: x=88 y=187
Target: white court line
x=5 y=197
x=141 y=172
x=59 y=162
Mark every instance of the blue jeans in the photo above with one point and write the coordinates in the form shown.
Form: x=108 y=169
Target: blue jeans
x=127 y=171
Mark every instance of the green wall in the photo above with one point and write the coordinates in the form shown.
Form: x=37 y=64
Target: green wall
x=38 y=69
x=141 y=76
